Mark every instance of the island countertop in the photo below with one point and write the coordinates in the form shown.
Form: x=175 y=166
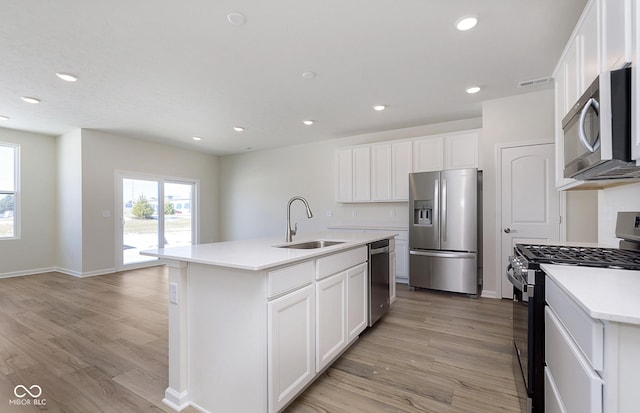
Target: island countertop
x=605 y=294
x=263 y=253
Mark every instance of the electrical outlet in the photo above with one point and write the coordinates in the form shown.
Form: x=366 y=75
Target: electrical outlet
x=173 y=293
x=354 y=213
x=329 y=213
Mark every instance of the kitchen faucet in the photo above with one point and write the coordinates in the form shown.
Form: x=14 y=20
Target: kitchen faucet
x=292 y=231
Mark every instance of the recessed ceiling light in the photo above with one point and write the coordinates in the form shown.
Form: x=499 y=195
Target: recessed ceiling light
x=466 y=23
x=472 y=90
x=67 y=77
x=379 y=107
x=236 y=18
x=196 y=138
x=29 y=99
x=308 y=75
x=308 y=122
x=4 y=117
x=238 y=128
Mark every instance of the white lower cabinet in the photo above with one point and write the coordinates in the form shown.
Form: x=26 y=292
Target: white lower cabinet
x=291 y=339
x=331 y=328
x=357 y=278
x=341 y=308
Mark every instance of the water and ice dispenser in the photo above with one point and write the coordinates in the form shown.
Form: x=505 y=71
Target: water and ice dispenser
x=423 y=212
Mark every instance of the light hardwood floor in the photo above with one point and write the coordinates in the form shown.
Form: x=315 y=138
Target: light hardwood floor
x=100 y=345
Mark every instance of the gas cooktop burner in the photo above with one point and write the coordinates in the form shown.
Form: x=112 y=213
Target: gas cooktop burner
x=585 y=256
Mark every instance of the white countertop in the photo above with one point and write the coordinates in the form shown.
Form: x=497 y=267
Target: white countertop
x=261 y=254
x=605 y=294
x=376 y=227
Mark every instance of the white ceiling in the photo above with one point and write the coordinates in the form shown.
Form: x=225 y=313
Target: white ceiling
x=168 y=70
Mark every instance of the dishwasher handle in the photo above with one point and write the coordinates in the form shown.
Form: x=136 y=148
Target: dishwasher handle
x=382 y=250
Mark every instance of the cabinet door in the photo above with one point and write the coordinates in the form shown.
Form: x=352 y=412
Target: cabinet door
x=381 y=172
x=561 y=108
x=428 y=154
x=356 y=300
x=331 y=311
x=616 y=34
x=362 y=173
x=392 y=277
x=590 y=48
x=635 y=90
x=573 y=80
x=401 y=165
x=402 y=258
x=344 y=175
x=461 y=151
x=291 y=340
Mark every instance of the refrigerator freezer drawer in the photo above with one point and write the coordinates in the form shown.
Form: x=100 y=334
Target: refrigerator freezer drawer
x=444 y=270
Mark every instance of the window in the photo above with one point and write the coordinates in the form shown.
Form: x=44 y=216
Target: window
x=9 y=190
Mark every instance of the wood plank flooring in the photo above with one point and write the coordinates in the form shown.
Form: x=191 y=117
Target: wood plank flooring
x=99 y=344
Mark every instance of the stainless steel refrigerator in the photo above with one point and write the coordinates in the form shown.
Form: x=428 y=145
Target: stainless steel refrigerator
x=443 y=230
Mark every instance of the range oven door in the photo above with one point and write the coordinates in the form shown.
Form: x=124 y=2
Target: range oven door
x=521 y=340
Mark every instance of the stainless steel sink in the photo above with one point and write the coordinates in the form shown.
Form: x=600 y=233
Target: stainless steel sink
x=311 y=245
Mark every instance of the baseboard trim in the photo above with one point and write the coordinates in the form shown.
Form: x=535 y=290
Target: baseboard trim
x=489 y=294
x=176 y=400
x=65 y=271
x=27 y=272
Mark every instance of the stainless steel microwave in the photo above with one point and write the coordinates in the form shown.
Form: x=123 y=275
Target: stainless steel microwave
x=597 y=130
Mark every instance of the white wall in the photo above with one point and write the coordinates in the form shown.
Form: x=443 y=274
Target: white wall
x=255 y=187
x=581 y=216
x=69 y=211
x=34 y=251
x=102 y=155
x=516 y=119
x=610 y=202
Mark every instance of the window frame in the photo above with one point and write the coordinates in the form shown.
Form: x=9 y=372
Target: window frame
x=15 y=192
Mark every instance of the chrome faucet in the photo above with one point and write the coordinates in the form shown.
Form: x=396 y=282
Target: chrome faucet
x=292 y=231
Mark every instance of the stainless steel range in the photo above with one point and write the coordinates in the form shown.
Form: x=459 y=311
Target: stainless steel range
x=528 y=280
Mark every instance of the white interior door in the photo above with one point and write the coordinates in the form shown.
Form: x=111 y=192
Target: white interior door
x=529 y=200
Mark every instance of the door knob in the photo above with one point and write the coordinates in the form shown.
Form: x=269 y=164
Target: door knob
x=507 y=230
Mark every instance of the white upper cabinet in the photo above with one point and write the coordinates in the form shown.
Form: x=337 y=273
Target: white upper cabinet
x=589 y=66
x=381 y=171
x=401 y=165
x=635 y=78
x=428 y=154
x=353 y=174
x=617 y=33
x=344 y=175
x=362 y=174
x=461 y=151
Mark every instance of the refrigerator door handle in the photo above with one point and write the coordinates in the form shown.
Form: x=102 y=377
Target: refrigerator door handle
x=436 y=210
x=443 y=254
x=444 y=210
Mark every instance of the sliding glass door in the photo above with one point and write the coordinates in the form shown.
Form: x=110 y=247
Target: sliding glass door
x=155 y=212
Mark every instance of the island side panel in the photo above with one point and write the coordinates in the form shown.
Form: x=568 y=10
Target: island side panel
x=227 y=339
x=176 y=395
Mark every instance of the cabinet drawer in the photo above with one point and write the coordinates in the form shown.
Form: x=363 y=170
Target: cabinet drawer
x=332 y=264
x=579 y=387
x=552 y=400
x=587 y=332
x=289 y=278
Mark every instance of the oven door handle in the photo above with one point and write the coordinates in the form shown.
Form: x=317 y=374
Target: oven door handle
x=516 y=283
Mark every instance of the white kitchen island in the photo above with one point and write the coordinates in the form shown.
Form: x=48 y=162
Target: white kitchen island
x=251 y=325
x=592 y=339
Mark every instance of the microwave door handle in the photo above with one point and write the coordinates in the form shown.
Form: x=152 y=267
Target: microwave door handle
x=583 y=117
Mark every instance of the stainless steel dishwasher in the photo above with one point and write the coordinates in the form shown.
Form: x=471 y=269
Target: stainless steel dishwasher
x=378 y=280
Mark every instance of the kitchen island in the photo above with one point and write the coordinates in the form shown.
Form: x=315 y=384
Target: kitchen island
x=252 y=324
x=592 y=334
